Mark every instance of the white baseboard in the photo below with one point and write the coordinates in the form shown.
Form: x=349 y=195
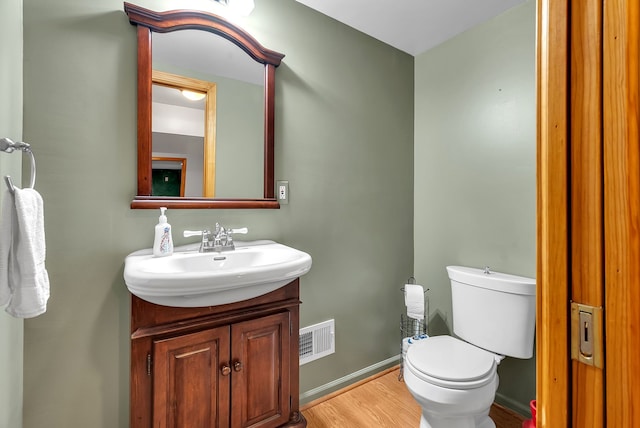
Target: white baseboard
x=347 y=380
x=344 y=381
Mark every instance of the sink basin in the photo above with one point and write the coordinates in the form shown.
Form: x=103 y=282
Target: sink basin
x=191 y=279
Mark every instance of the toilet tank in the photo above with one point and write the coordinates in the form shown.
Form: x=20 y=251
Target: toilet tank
x=494 y=311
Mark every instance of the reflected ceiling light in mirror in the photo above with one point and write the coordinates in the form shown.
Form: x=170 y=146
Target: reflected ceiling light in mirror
x=238 y=7
x=192 y=95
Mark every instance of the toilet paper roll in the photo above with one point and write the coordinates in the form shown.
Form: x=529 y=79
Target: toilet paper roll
x=414 y=300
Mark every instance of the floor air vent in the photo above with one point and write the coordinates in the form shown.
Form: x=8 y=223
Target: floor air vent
x=317 y=341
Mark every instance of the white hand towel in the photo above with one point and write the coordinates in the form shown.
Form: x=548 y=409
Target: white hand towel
x=6 y=227
x=414 y=300
x=24 y=281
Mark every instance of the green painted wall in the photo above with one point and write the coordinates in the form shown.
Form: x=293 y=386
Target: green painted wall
x=475 y=167
x=11 y=329
x=344 y=140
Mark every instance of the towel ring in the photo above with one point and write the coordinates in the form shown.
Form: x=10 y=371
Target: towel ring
x=8 y=146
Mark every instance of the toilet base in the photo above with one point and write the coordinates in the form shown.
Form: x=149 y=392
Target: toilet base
x=431 y=421
x=444 y=407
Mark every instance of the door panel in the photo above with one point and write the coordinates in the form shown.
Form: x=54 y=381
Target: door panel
x=189 y=390
x=622 y=210
x=261 y=395
x=587 y=246
x=552 y=277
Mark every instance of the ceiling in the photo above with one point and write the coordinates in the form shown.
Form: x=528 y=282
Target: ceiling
x=413 y=26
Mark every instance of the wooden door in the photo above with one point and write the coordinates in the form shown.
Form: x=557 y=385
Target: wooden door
x=189 y=387
x=621 y=128
x=552 y=258
x=588 y=207
x=586 y=230
x=260 y=380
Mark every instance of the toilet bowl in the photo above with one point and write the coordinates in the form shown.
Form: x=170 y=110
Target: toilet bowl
x=454 y=382
x=454 y=379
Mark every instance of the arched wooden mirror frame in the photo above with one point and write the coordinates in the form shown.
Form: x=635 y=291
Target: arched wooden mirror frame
x=148 y=21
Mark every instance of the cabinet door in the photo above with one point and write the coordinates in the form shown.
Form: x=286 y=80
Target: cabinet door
x=260 y=381
x=191 y=389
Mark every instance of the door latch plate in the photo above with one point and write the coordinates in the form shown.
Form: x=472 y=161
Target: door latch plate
x=586 y=334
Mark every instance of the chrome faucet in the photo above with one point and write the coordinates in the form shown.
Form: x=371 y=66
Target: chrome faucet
x=220 y=239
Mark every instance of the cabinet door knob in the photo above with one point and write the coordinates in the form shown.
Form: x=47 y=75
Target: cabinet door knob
x=237 y=366
x=225 y=370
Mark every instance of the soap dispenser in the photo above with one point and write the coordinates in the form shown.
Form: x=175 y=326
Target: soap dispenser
x=163 y=244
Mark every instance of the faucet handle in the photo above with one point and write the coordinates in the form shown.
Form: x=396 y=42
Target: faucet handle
x=204 y=233
x=242 y=230
x=230 y=232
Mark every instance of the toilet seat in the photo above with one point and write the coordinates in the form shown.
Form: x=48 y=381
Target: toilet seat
x=451 y=363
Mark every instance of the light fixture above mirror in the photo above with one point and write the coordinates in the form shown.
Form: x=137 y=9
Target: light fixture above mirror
x=193 y=95
x=148 y=22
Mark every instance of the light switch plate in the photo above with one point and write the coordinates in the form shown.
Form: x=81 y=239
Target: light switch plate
x=282 y=191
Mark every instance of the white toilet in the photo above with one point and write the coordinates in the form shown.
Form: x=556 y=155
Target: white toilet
x=455 y=379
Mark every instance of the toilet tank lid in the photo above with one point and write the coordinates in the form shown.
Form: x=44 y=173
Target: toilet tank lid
x=504 y=282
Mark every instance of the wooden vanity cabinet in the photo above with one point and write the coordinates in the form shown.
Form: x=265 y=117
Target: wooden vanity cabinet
x=233 y=365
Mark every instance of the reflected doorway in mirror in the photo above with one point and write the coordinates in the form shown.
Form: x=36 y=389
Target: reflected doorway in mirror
x=168 y=176
x=177 y=120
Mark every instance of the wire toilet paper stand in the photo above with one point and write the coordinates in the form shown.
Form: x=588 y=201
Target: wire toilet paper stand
x=412 y=330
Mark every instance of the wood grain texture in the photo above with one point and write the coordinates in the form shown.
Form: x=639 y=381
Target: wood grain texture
x=587 y=244
x=552 y=296
x=269 y=131
x=144 y=111
x=260 y=383
x=622 y=210
x=277 y=312
x=175 y=20
x=153 y=202
x=381 y=401
x=189 y=391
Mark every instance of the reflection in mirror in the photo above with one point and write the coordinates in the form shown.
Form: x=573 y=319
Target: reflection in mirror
x=168 y=176
x=183 y=125
x=236 y=141
x=237 y=75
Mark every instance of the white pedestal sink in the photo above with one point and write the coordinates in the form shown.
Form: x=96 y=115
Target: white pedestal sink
x=191 y=279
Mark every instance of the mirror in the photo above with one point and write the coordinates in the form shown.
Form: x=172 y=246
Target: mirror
x=228 y=152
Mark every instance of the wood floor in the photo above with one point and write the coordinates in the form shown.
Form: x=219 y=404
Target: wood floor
x=381 y=401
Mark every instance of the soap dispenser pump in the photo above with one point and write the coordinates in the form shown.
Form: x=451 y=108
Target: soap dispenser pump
x=162 y=244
